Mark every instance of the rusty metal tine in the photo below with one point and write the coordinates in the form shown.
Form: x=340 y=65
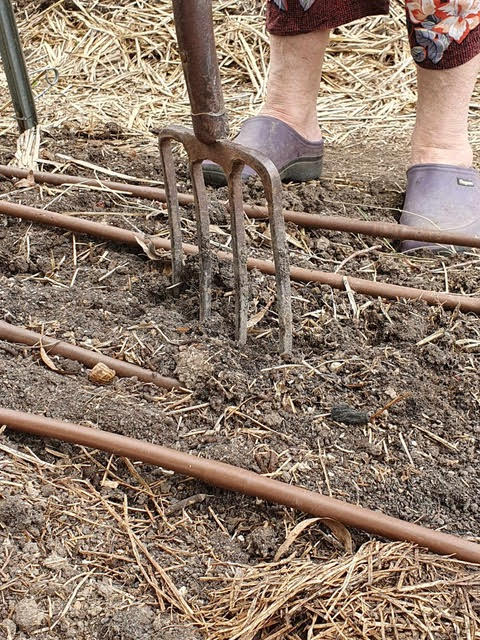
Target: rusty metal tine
x=171 y=193
x=232 y=158
x=196 y=40
x=239 y=250
x=273 y=191
x=203 y=240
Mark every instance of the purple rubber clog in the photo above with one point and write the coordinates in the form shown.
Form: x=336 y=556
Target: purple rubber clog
x=441 y=197
x=296 y=158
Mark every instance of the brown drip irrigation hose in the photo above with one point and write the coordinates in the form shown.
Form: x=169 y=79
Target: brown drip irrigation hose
x=59 y=179
x=89 y=358
x=308 y=220
x=226 y=476
x=335 y=280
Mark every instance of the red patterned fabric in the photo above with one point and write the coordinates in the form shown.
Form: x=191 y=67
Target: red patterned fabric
x=323 y=14
x=439 y=40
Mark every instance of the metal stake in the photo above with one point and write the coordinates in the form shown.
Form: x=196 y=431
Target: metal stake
x=15 y=69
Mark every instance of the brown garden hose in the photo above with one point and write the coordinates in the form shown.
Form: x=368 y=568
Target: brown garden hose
x=226 y=476
x=308 y=220
x=335 y=280
x=89 y=358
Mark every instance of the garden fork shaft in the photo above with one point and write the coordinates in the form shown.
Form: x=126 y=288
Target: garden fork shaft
x=194 y=26
x=196 y=44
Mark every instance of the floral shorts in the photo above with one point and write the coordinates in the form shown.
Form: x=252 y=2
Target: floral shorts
x=442 y=35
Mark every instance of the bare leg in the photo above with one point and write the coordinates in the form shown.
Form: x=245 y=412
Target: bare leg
x=294 y=81
x=441 y=130
x=292 y=89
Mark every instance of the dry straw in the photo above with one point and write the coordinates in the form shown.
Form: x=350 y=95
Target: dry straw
x=384 y=591
x=118 y=63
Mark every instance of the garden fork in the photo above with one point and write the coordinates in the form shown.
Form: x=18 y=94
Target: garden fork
x=194 y=27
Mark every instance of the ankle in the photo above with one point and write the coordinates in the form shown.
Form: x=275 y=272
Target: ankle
x=460 y=155
x=305 y=123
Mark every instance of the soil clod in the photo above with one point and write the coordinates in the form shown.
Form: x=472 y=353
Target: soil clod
x=348 y=415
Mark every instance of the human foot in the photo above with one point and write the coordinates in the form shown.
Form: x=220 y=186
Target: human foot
x=305 y=125
x=455 y=154
x=296 y=158
x=441 y=197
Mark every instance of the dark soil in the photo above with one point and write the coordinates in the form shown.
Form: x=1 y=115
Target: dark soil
x=418 y=460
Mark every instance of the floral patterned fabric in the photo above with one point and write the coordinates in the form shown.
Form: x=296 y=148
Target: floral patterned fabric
x=434 y=26
x=439 y=24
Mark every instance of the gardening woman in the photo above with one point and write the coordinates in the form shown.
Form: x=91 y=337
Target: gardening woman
x=443 y=188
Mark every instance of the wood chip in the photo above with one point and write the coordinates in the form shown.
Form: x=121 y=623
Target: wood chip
x=187 y=502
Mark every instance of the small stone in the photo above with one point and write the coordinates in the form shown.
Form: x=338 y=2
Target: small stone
x=335 y=366
x=101 y=374
x=348 y=415
x=27 y=615
x=113 y=129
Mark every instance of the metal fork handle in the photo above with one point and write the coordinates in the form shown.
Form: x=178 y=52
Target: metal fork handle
x=196 y=41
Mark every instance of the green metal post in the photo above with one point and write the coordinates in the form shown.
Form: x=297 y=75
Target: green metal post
x=15 y=69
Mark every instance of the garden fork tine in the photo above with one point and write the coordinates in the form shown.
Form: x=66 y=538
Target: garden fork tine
x=194 y=25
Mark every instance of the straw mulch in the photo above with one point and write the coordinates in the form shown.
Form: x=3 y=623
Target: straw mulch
x=383 y=591
x=118 y=63
x=118 y=557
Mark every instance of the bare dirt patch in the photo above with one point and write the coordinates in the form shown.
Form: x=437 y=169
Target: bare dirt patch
x=67 y=514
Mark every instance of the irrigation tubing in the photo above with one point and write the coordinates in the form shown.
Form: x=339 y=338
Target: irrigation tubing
x=231 y=478
x=335 y=280
x=308 y=220
x=89 y=358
